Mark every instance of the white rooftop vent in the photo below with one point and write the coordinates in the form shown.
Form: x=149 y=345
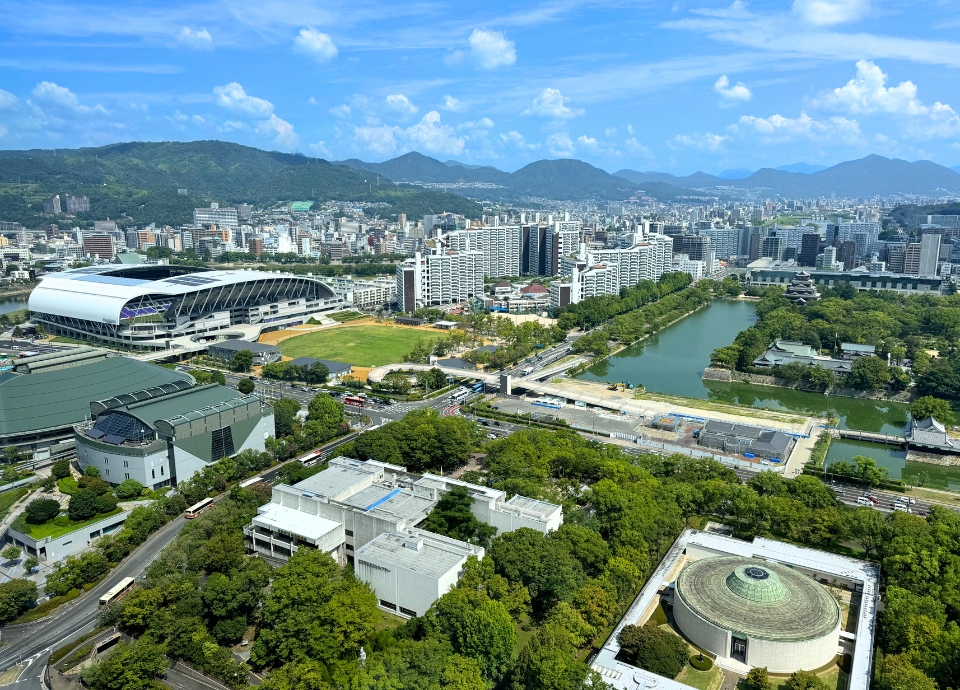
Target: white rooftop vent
x=414 y=544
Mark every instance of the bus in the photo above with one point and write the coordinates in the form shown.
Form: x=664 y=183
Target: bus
x=459 y=396
x=311 y=458
x=356 y=402
x=194 y=510
x=118 y=590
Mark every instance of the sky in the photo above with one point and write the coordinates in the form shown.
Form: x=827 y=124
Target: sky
x=692 y=85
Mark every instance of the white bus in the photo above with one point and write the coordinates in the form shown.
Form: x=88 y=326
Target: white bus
x=194 y=510
x=118 y=590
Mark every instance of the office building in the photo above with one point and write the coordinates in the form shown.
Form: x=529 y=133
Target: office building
x=99 y=246
x=164 y=435
x=255 y=246
x=225 y=217
x=911 y=259
x=695 y=247
x=367 y=514
x=439 y=277
x=772 y=247
x=859 y=279
x=809 y=249
x=929 y=254
x=847 y=255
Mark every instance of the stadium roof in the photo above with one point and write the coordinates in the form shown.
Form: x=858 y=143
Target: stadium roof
x=62 y=397
x=98 y=293
x=181 y=403
x=758 y=598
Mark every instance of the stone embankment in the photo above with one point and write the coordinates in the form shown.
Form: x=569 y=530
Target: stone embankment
x=728 y=376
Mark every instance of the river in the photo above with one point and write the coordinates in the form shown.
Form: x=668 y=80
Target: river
x=10 y=304
x=673 y=361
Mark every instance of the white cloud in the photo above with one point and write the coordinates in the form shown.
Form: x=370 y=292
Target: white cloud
x=559 y=144
x=401 y=104
x=432 y=136
x=829 y=12
x=316 y=44
x=281 y=130
x=232 y=125
x=482 y=123
x=313 y=101
x=429 y=135
x=7 y=100
x=232 y=97
x=550 y=104
x=588 y=143
x=320 y=149
x=514 y=138
x=3 y=131
x=610 y=131
x=706 y=142
x=737 y=92
x=777 y=128
x=342 y=111
x=453 y=105
x=198 y=120
x=635 y=147
x=629 y=129
x=198 y=39
x=868 y=93
x=491 y=49
x=62 y=98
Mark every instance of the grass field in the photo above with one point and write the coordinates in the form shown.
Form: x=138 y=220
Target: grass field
x=362 y=346
x=52 y=530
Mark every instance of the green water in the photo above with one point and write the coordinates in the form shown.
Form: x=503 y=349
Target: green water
x=673 y=361
x=895 y=460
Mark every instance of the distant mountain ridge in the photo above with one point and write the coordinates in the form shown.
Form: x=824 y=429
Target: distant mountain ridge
x=870 y=176
x=565 y=178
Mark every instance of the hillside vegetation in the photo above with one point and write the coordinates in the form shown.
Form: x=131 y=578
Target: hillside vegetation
x=141 y=180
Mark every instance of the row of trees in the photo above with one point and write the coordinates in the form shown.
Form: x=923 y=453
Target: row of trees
x=316 y=373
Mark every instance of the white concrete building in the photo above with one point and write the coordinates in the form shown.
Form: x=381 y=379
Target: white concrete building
x=439 y=277
x=221 y=217
x=500 y=245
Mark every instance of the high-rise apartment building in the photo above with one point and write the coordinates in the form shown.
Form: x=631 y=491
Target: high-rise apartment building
x=501 y=247
x=847 y=255
x=559 y=241
x=772 y=247
x=440 y=277
x=911 y=259
x=694 y=246
x=724 y=241
x=929 y=254
x=865 y=235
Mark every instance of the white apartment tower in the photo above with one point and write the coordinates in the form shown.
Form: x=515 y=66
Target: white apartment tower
x=501 y=246
x=443 y=276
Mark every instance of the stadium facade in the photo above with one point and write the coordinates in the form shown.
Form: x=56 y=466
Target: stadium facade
x=146 y=307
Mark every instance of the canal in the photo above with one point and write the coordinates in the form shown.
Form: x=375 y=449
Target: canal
x=673 y=361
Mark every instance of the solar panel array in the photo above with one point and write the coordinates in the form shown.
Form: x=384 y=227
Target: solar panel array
x=118 y=428
x=190 y=280
x=127 y=313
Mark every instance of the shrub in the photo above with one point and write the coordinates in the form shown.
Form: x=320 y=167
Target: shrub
x=42 y=510
x=106 y=503
x=95 y=484
x=701 y=663
x=129 y=489
x=84 y=504
x=16 y=596
x=91 y=471
x=654 y=649
x=61 y=469
x=61 y=521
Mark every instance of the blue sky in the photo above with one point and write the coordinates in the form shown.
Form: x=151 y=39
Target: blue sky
x=693 y=85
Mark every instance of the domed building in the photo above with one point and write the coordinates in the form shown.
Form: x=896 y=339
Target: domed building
x=757 y=612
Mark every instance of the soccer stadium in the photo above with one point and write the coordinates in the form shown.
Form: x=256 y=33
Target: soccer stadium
x=145 y=307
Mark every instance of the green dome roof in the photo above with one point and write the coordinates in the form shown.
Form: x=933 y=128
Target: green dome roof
x=756 y=583
x=759 y=599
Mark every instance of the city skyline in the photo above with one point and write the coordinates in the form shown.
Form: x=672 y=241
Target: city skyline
x=698 y=86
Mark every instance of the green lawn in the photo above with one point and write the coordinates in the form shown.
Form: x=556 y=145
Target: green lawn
x=52 y=530
x=68 y=485
x=362 y=346
x=8 y=498
x=704 y=680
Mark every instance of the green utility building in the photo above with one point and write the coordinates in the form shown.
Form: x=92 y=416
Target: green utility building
x=163 y=436
x=43 y=396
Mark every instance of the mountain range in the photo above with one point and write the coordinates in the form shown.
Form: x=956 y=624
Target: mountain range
x=572 y=179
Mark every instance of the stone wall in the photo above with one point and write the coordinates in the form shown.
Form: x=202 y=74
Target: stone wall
x=933 y=458
x=728 y=376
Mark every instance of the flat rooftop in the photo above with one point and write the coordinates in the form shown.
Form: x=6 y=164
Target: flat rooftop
x=401 y=503
x=291 y=521
x=532 y=507
x=419 y=551
x=339 y=480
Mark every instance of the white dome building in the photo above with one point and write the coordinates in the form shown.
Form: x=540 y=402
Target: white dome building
x=758 y=613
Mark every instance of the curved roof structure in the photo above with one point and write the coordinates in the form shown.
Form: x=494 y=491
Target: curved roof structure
x=60 y=397
x=99 y=293
x=759 y=599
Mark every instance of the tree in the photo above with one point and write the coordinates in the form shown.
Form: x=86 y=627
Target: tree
x=868 y=528
x=315 y=610
x=128 y=489
x=804 y=680
x=284 y=414
x=324 y=417
x=452 y=517
x=11 y=552
x=756 y=679
x=61 y=469
x=17 y=332
x=128 y=667
x=542 y=564
x=868 y=472
x=480 y=628
x=218 y=377
x=246 y=386
x=83 y=505
x=242 y=361
x=30 y=563
x=91 y=471
x=895 y=672
x=41 y=510
x=929 y=406
x=12 y=455
x=16 y=596
x=654 y=649
x=868 y=373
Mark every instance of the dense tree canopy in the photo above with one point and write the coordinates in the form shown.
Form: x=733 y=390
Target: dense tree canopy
x=422 y=441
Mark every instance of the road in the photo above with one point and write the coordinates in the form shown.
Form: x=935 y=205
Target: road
x=35 y=641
